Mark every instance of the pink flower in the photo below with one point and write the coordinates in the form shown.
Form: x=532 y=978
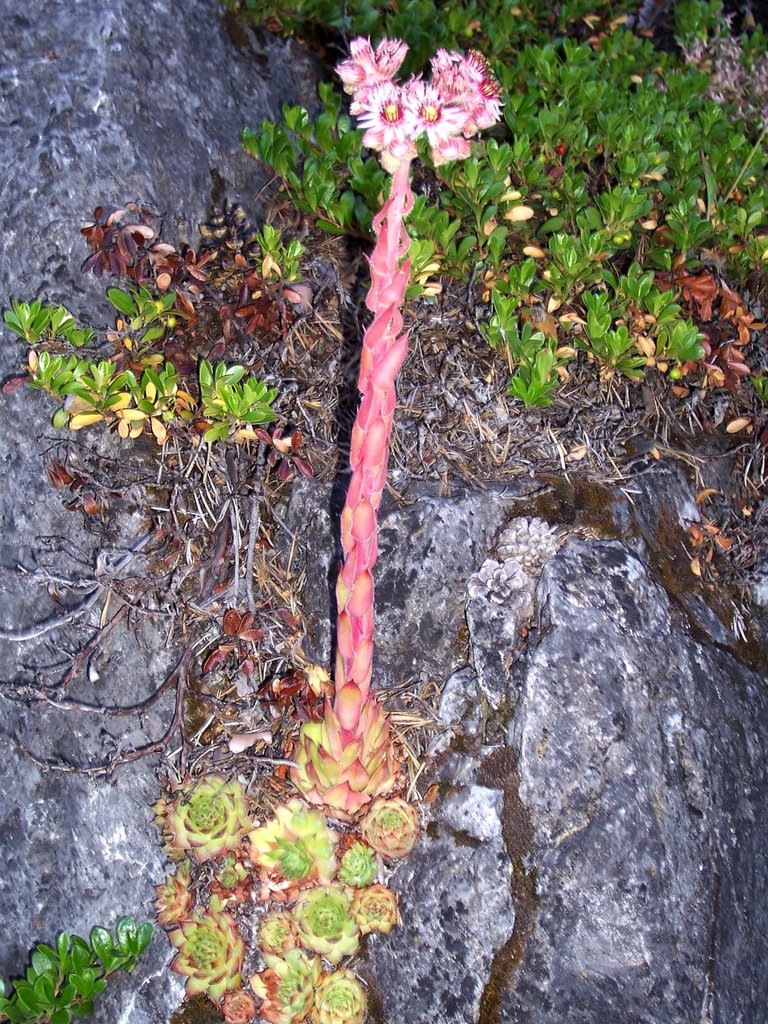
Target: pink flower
x=429 y=111
x=455 y=147
x=469 y=82
x=366 y=67
x=483 y=93
x=383 y=115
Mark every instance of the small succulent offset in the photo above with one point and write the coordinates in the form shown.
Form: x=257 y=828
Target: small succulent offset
x=207 y=817
x=238 y=1007
x=175 y=897
x=210 y=952
x=287 y=986
x=324 y=922
x=375 y=909
x=62 y=982
x=232 y=883
x=296 y=844
x=391 y=827
x=358 y=866
x=339 y=999
x=277 y=933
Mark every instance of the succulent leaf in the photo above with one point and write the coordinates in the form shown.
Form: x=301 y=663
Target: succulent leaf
x=358 y=866
x=238 y=1007
x=342 y=772
x=391 y=827
x=287 y=986
x=375 y=909
x=175 y=897
x=277 y=933
x=339 y=999
x=296 y=846
x=324 y=923
x=207 y=817
x=210 y=952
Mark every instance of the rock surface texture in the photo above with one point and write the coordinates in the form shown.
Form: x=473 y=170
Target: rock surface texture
x=608 y=778
x=99 y=104
x=596 y=848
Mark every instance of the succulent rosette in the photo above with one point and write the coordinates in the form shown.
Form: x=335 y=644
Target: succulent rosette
x=375 y=909
x=207 y=817
x=341 y=772
x=277 y=933
x=324 y=923
x=391 y=827
x=175 y=897
x=232 y=883
x=295 y=846
x=210 y=952
x=287 y=986
x=238 y=1007
x=358 y=866
x=339 y=999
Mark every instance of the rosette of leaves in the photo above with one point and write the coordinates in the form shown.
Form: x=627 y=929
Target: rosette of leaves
x=210 y=952
x=207 y=817
x=232 y=883
x=238 y=1007
x=296 y=845
x=287 y=986
x=358 y=866
x=277 y=933
x=339 y=999
x=375 y=909
x=175 y=897
x=345 y=774
x=233 y=406
x=391 y=827
x=324 y=922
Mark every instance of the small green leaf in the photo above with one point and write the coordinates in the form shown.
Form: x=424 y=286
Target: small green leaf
x=122 y=300
x=125 y=933
x=101 y=942
x=61 y=1016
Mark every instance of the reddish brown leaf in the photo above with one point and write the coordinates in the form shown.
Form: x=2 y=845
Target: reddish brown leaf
x=215 y=659
x=14 y=383
x=231 y=622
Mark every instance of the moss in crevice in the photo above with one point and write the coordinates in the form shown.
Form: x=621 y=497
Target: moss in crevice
x=499 y=771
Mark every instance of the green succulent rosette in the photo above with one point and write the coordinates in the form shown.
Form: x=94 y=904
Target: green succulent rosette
x=324 y=923
x=339 y=999
x=296 y=844
x=207 y=817
x=375 y=909
x=175 y=897
x=210 y=952
x=391 y=827
x=358 y=866
x=277 y=933
x=287 y=986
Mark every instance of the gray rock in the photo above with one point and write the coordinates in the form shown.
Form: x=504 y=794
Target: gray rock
x=455 y=905
x=642 y=759
x=99 y=104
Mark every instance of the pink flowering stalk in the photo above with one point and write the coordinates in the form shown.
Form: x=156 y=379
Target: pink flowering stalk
x=347 y=760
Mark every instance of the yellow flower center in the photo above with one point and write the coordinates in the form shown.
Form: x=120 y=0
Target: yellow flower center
x=430 y=113
x=392 y=113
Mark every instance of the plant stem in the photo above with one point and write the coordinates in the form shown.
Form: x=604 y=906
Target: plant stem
x=384 y=350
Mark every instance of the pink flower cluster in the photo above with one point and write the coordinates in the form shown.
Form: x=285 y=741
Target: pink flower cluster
x=461 y=98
